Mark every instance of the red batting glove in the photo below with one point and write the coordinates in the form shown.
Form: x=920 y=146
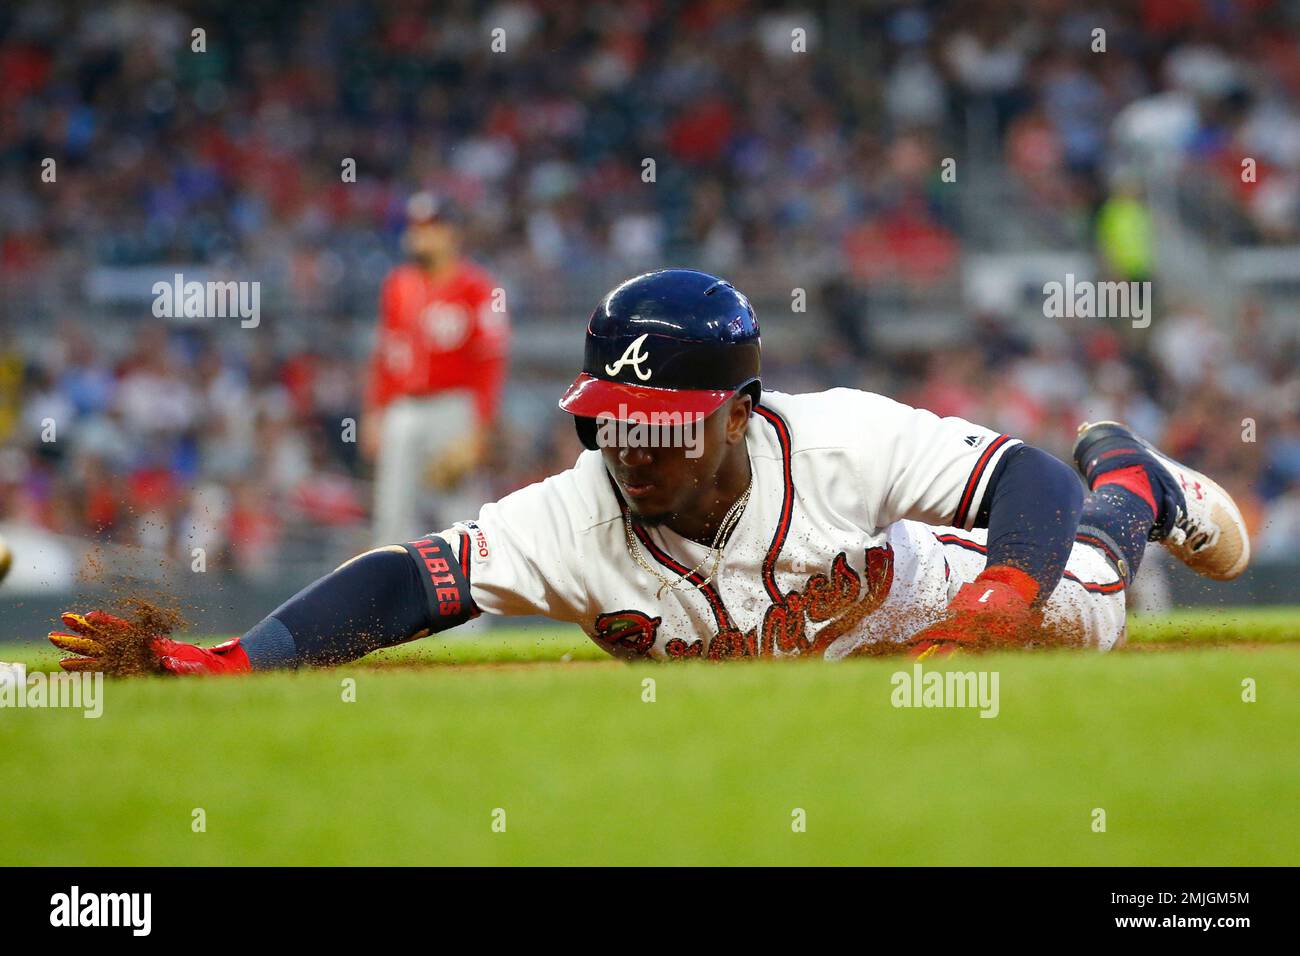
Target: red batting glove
x=89 y=634
x=178 y=658
x=994 y=609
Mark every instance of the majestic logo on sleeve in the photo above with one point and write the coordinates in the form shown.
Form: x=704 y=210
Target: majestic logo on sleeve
x=632 y=356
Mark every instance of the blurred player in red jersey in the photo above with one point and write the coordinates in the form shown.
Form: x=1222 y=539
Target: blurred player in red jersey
x=437 y=370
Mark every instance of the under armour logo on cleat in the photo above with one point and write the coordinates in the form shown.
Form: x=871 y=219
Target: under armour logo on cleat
x=1194 y=486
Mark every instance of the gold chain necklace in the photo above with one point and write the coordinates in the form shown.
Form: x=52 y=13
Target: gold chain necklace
x=725 y=527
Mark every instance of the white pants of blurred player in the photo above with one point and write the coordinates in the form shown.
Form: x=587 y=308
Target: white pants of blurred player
x=931 y=564
x=413 y=433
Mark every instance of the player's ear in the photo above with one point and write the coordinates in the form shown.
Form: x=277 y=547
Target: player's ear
x=739 y=409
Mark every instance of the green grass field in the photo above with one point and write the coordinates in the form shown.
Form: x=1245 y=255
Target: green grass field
x=443 y=733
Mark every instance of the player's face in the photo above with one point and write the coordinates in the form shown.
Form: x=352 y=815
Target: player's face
x=430 y=242
x=666 y=483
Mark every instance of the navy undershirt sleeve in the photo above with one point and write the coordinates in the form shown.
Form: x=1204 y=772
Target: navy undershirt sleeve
x=377 y=600
x=1031 y=509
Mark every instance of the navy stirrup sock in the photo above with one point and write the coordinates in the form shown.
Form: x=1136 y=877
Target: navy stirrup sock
x=1118 y=522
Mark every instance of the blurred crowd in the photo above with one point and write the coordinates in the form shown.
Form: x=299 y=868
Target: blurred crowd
x=770 y=166
x=764 y=156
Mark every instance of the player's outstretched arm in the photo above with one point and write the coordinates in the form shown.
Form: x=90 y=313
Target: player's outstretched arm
x=381 y=598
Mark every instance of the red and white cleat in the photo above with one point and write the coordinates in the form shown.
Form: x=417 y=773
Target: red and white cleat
x=1205 y=531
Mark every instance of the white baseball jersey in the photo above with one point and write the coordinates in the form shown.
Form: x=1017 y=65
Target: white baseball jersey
x=839 y=545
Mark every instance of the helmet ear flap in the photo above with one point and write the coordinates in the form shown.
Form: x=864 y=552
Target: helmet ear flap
x=755 y=392
x=586 y=428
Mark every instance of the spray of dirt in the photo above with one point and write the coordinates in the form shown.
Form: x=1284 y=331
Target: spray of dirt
x=144 y=612
x=127 y=641
x=996 y=637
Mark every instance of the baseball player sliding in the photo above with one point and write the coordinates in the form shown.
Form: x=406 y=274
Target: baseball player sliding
x=712 y=519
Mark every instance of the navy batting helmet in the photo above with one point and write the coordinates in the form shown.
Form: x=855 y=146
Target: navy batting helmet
x=669 y=342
